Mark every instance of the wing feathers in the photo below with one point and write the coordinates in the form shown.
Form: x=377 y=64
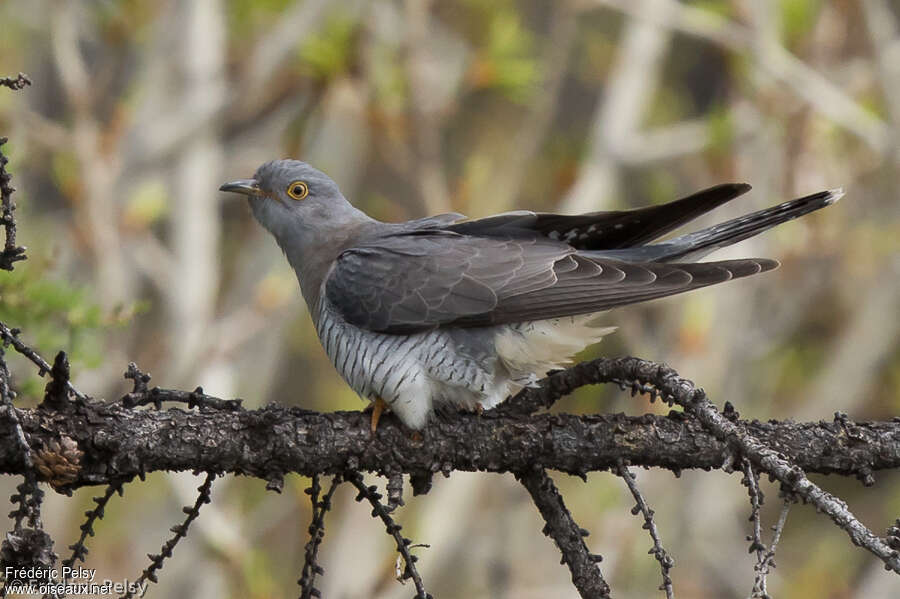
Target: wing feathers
x=523 y=266
x=406 y=283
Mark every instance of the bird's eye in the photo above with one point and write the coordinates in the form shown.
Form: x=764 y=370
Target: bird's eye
x=298 y=190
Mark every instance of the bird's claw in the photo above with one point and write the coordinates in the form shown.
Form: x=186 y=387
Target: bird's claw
x=378 y=407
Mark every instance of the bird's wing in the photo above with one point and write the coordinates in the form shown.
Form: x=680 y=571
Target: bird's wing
x=414 y=282
x=606 y=230
x=434 y=222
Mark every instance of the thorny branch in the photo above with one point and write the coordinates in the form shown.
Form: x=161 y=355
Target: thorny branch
x=743 y=442
x=120 y=442
x=666 y=563
x=751 y=481
x=11 y=252
x=180 y=530
x=10 y=336
x=767 y=560
x=15 y=83
x=79 y=549
x=501 y=440
x=28 y=544
x=316 y=533
x=379 y=510
x=143 y=395
x=6 y=397
x=221 y=436
x=295 y=440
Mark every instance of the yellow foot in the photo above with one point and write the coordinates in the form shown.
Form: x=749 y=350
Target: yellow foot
x=378 y=407
x=479 y=409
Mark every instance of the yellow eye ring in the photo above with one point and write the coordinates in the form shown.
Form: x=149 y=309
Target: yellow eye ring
x=298 y=190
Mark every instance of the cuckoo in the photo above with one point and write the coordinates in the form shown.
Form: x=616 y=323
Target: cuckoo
x=449 y=312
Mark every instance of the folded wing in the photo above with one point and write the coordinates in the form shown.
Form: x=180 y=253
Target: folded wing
x=422 y=280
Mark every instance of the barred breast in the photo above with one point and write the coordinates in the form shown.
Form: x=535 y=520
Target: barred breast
x=413 y=373
x=462 y=367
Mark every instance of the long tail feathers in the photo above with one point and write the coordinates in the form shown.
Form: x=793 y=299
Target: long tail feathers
x=696 y=245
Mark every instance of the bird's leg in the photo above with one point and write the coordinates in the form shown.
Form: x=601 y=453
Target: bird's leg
x=479 y=408
x=378 y=407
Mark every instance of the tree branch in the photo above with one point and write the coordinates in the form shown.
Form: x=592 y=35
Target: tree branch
x=120 y=442
x=569 y=537
x=11 y=252
x=742 y=441
x=100 y=443
x=666 y=563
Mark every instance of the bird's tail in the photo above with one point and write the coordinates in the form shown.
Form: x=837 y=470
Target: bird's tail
x=696 y=245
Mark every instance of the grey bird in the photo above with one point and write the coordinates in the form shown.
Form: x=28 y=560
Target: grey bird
x=444 y=311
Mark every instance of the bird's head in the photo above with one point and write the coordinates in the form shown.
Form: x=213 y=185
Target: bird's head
x=295 y=201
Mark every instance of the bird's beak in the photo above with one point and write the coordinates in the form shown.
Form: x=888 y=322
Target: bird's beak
x=248 y=187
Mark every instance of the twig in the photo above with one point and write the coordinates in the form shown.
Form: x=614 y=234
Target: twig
x=379 y=510
x=751 y=481
x=195 y=398
x=11 y=337
x=737 y=436
x=560 y=383
x=15 y=83
x=143 y=395
x=11 y=252
x=29 y=499
x=316 y=533
x=666 y=563
x=6 y=397
x=79 y=549
x=180 y=530
x=26 y=546
x=567 y=535
x=768 y=559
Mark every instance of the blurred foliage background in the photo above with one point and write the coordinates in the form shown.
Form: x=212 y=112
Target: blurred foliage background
x=140 y=109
